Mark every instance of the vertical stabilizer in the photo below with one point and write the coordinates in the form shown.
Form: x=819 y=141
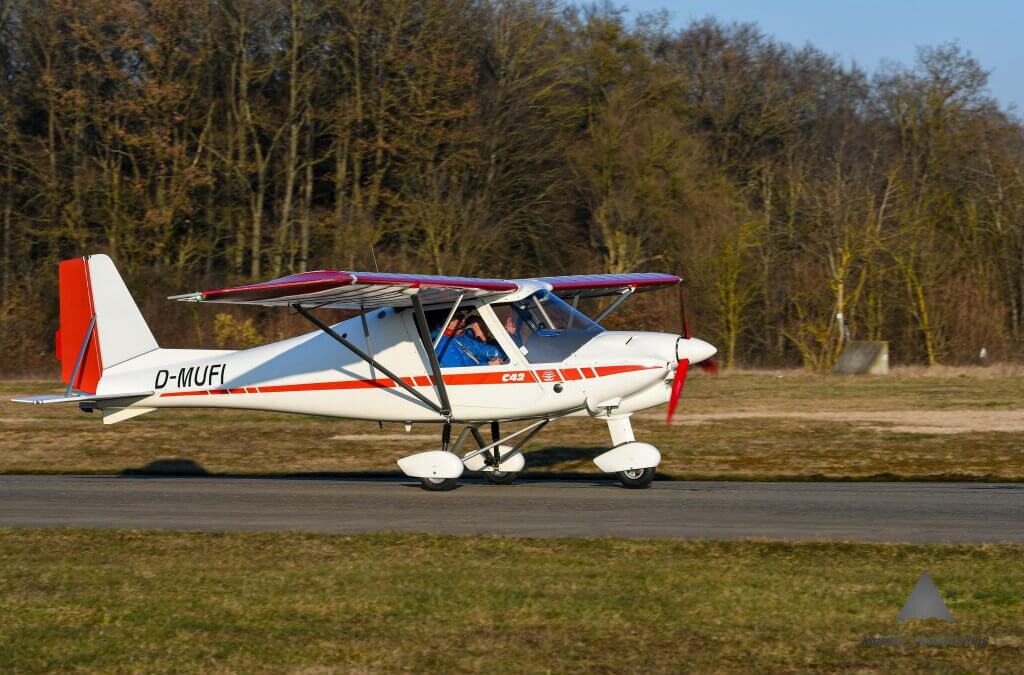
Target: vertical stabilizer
x=100 y=324
x=123 y=332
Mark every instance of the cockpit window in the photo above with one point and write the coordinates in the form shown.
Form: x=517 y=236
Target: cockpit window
x=464 y=340
x=545 y=328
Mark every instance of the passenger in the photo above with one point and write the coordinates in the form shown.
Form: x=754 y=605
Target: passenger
x=464 y=344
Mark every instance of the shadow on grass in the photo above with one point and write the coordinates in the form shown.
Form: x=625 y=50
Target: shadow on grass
x=178 y=466
x=551 y=456
x=538 y=460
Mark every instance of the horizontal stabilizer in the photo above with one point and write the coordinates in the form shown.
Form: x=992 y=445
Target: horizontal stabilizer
x=43 y=399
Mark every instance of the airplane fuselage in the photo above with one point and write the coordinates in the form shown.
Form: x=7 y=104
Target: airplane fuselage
x=313 y=374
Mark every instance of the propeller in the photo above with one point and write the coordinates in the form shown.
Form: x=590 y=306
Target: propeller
x=678 y=382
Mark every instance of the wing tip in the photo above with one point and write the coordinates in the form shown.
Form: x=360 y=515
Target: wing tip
x=196 y=296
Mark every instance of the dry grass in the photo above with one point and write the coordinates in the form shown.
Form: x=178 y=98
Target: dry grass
x=168 y=602
x=952 y=423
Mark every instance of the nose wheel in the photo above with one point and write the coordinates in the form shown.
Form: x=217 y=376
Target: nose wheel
x=632 y=462
x=637 y=479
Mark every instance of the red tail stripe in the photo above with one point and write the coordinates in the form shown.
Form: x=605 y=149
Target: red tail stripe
x=76 y=312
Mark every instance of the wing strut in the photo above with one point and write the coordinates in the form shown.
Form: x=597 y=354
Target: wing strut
x=625 y=293
x=444 y=411
x=428 y=346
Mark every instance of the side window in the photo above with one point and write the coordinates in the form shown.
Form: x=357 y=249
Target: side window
x=516 y=323
x=545 y=328
x=464 y=340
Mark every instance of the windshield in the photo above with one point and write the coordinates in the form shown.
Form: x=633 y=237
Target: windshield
x=545 y=328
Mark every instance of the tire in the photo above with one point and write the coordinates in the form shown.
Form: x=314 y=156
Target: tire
x=500 y=477
x=637 y=479
x=438 y=484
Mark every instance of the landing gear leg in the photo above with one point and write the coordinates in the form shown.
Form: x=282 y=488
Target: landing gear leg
x=446 y=436
x=499 y=462
x=498 y=477
x=633 y=463
x=495 y=477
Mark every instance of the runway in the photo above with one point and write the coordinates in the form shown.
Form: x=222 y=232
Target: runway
x=904 y=512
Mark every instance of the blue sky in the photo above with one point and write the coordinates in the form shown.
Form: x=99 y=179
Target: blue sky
x=870 y=32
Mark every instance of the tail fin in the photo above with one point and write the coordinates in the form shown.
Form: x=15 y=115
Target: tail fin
x=100 y=324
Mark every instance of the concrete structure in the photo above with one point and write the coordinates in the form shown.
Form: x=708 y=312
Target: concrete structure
x=864 y=357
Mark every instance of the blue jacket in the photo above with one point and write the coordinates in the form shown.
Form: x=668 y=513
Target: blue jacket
x=462 y=349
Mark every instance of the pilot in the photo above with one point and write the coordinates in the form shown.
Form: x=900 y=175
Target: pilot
x=513 y=326
x=464 y=344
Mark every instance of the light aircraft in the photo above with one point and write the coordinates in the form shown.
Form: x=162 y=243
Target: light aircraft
x=548 y=360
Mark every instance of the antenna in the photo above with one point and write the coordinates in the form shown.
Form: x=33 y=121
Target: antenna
x=374 y=256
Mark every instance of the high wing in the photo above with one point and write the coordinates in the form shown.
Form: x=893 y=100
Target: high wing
x=596 y=285
x=356 y=290
x=353 y=290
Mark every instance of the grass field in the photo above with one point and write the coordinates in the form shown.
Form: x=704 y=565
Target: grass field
x=119 y=601
x=965 y=424
x=170 y=602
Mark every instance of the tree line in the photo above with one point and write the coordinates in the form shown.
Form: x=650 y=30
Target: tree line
x=805 y=202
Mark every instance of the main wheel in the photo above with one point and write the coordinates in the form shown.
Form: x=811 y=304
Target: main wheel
x=438 y=484
x=637 y=479
x=500 y=477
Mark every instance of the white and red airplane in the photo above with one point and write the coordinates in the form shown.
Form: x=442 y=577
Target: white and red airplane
x=547 y=360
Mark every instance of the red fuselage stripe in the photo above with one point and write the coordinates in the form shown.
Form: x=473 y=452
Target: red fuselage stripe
x=453 y=379
x=604 y=371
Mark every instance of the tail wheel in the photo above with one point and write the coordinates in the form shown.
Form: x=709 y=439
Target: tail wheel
x=637 y=479
x=500 y=477
x=438 y=484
